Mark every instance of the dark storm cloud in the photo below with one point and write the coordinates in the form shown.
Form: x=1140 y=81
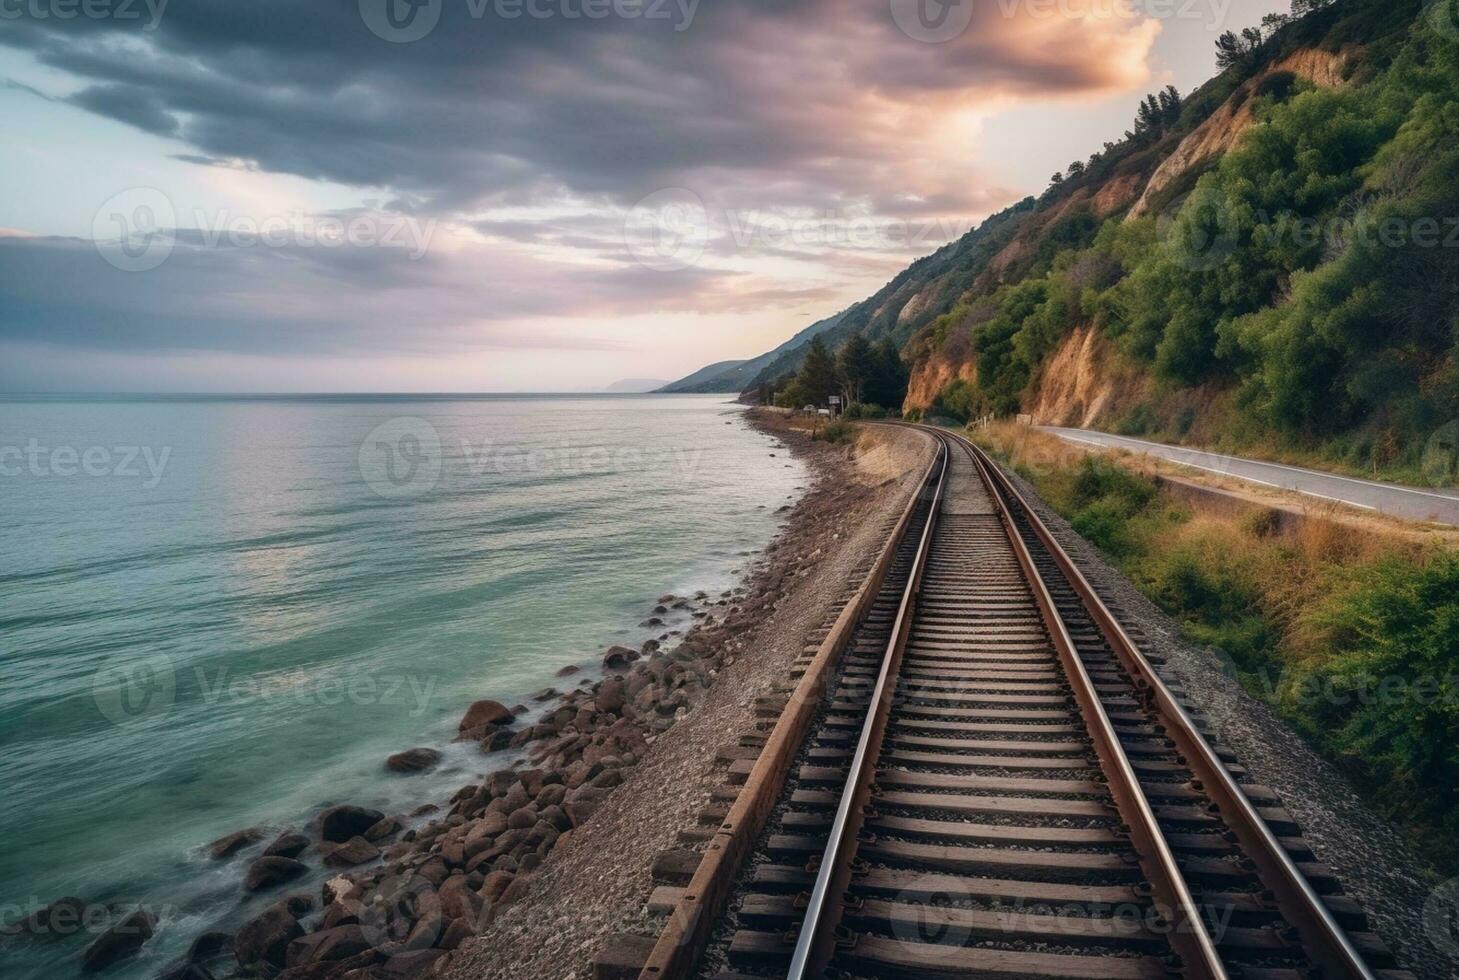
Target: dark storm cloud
x=126 y=104
x=799 y=102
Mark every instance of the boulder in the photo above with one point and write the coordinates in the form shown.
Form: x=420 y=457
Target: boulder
x=619 y=657
x=456 y=933
x=491 y=824
x=434 y=871
x=287 y=845
x=226 y=847
x=267 y=872
x=339 y=914
x=516 y=797
x=481 y=714
x=207 y=945
x=569 y=670
x=413 y=761
x=327 y=945
x=123 y=940
x=339 y=823
x=185 y=971
x=495 y=884
x=458 y=901
x=493 y=738
x=355 y=967
x=354 y=851
x=388 y=827
x=298 y=905
x=410 y=964
x=612 y=696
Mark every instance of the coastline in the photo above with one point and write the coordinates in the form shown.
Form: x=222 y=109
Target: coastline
x=411 y=891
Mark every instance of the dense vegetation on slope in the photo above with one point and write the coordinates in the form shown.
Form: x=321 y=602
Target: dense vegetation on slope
x=1276 y=255
x=1313 y=272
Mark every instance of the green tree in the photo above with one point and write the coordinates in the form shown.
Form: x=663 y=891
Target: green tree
x=855 y=366
x=887 y=386
x=816 y=381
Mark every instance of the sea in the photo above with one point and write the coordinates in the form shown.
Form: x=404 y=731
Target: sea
x=226 y=612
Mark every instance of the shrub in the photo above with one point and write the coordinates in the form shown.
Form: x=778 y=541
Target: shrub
x=836 y=432
x=1387 y=700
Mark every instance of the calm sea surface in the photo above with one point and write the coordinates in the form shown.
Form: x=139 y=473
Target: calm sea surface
x=224 y=612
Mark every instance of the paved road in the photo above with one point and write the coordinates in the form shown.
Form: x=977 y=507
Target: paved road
x=1412 y=503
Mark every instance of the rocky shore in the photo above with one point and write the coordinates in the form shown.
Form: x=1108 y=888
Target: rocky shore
x=521 y=872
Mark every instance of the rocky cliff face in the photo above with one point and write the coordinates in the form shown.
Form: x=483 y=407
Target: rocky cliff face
x=1224 y=127
x=1086 y=383
x=931 y=376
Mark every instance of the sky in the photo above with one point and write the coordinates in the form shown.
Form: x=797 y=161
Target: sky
x=518 y=195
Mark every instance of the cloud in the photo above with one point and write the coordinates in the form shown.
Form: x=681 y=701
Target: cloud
x=129 y=105
x=530 y=139
x=803 y=102
x=248 y=297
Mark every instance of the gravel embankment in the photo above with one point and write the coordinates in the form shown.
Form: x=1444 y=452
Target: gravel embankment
x=1368 y=854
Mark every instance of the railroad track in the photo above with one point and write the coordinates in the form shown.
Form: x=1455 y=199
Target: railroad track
x=996 y=782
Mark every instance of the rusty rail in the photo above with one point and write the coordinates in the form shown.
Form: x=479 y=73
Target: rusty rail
x=685 y=934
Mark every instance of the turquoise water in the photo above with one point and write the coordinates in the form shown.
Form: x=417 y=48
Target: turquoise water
x=217 y=613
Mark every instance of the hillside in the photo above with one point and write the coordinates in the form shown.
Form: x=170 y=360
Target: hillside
x=730 y=377
x=1271 y=260
x=633 y=386
x=707 y=380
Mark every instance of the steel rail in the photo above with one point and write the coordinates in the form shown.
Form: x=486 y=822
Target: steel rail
x=816 y=942
x=1189 y=937
x=1322 y=937
x=687 y=931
